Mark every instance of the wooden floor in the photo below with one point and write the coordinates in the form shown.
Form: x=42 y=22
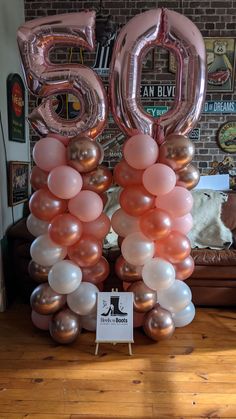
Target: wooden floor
x=193 y=375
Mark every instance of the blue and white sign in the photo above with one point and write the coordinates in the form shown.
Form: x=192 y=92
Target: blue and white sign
x=220 y=107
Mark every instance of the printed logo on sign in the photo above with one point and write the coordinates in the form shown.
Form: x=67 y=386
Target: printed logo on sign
x=113 y=309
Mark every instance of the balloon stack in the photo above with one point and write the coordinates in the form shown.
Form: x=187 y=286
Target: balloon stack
x=69 y=181
x=156 y=173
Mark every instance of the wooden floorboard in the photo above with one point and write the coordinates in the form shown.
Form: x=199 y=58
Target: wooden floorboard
x=193 y=375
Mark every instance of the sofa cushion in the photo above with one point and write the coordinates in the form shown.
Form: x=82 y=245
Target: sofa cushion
x=213 y=257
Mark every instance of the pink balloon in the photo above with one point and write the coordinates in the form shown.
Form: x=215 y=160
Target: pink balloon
x=61 y=138
x=178 y=202
x=140 y=151
x=99 y=228
x=41 y=321
x=65 y=182
x=159 y=179
x=123 y=223
x=182 y=224
x=49 y=154
x=87 y=206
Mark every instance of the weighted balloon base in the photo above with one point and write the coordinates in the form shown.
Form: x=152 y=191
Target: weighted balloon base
x=114 y=343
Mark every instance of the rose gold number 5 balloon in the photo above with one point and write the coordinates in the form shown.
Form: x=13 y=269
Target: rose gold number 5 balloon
x=179 y=35
x=45 y=79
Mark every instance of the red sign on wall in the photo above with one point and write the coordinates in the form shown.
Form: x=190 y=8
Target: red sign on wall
x=16 y=108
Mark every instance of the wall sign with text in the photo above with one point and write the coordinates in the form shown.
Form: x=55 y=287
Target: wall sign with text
x=16 y=108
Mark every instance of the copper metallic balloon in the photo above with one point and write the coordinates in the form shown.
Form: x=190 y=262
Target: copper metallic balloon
x=177 y=151
x=86 y=252
x=155 y=224
x=38 y=272
x=83 y=154
x=44 y=300
x=97 y=273
x=65 y=229
x=38 y=178
x=184 y=268
x=127 y=272
x=65 y=326
x=188 y=177
x=144 y=297
x=125 y=175
x=98 y=180
x=136 y=200
x=44 y=205
x=158 y=324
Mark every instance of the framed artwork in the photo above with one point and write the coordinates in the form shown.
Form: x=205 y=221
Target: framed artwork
x=18 y=187
x=220 y=64
x=227 y=137
x=16 y=108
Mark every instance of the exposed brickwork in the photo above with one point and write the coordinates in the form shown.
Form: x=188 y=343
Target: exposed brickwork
x=214 y=18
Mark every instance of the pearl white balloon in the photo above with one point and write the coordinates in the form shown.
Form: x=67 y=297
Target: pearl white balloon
x=64 y=277
x=184 y=317
x=123 y=223
x=45 y=252
x=158 y=274
x=84 y=299
x=137 y=249
x=176 y=297
x=89 y=322
x=35 y=226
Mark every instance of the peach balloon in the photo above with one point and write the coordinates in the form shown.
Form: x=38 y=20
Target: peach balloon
x=48 y=154
x=159 y=179
x=140 y=151
x=124 y=224
x=175 y=247
x=65 y=182
x=86 y=252
x=99 y=228
x=96 y=274
x=137 y=249
x=127 y=272
x=65 y=229
x=61 y=138
x=44 y=205
x=98 y=180
x=178 y=202
x=135 y=200
x=38 y=178
x=155 y=224
x=87 y=206
x=125 y=175
x=182 y=224
x=184 y=268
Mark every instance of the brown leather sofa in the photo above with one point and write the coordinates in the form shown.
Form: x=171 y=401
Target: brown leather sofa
x=213 y=282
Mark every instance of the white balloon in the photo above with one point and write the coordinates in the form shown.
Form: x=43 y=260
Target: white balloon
x=89 y=322
x=45 y=252
x=184 y=317
x=158 y=274
x=137 y=249
x=64 y=277
x=84 y=299
x=36 y=226
x=176 y=297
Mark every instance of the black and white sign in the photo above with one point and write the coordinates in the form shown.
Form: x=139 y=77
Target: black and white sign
x=114 y=317
x=158 y=91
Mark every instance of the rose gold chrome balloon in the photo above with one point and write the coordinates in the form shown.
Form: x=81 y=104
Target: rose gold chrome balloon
x=83 y=154
x=65 y=229
x=188 y=177
x=65 y=326
x=38 y=178
x=96 y=273
x=144 y=297
x=158 y=324
x=38 y=272
x=127 y=272
x=44 y=205
x=175 y=32
x=86 y=252
x=44 y=79
x=177 y=151
x=98 y=180
x=44 y=300
x=184 y=268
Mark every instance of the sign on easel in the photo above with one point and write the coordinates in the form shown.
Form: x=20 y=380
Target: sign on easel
x=114 y=318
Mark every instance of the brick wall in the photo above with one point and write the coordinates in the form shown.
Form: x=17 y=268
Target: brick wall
x=214 y=18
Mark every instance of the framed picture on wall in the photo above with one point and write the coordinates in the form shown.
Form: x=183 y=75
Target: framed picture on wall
x=220 y=64
x=16 y=108
x=18 y=187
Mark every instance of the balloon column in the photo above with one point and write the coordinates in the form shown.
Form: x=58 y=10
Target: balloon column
x=156 y=173
x=67 y=216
